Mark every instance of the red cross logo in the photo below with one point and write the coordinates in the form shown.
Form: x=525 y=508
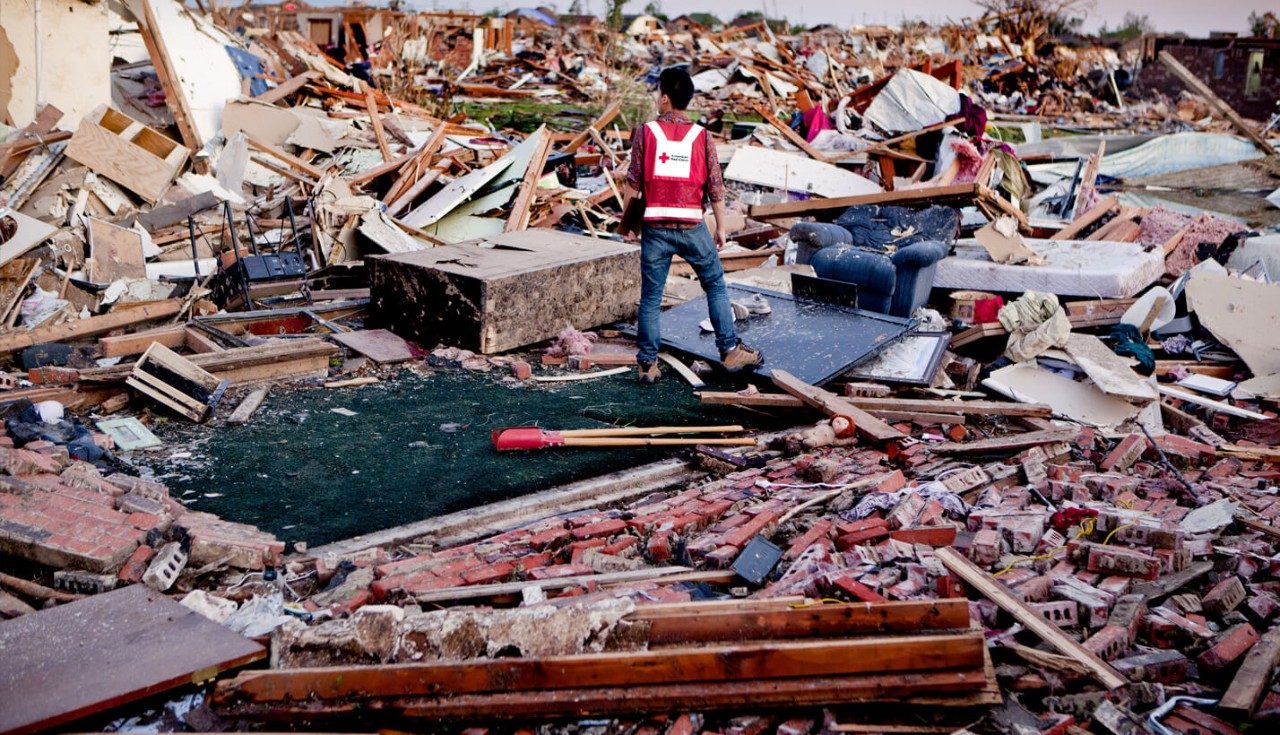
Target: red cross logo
x=664 y=158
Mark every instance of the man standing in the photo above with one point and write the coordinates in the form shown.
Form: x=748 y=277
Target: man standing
x=673 y=166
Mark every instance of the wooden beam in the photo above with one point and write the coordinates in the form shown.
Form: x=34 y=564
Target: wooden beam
x=931 y=195
x=1216 y=102
x=833 y=405
x=1253 y=678
x=372 y=106
x=786 y=132
x=172 y=336
x=1083 y=222
x=288 y=87
x=781 y=660
x=247 y=407
x=727 y=624
x=175 y=97
x=987 y=586
x=90 y=327
x=598 y=124
x=291 y=160
x=1006 y=443
x=783 y=694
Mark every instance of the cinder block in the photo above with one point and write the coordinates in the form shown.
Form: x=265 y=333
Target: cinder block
x=168 y=563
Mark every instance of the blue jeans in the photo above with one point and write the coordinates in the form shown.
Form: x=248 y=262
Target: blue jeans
x=657 y=246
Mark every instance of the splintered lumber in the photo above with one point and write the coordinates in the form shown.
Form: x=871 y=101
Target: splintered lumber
x=292 y=161
x=372 y=105
x=1253 y=678
x=173 y=381
x=725 y=624
x=519 y=218
x=90 y=327
x=786 y=132
x=960 y=408
x=1202 y=89
x=247 y=407
x=1084 y=221
x=599 y=124
x=987 y=586
x=107 y=650
x=1006 y=443
x=833 y=405
x=769 y=660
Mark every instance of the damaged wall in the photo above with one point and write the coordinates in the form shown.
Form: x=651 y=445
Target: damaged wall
x=1226 y=70
x=75 y=54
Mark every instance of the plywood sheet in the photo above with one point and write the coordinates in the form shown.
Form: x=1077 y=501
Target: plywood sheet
x=378 y=345
x=795 y=172
x=1243 y=315
x=61 y=664
x=116 y=253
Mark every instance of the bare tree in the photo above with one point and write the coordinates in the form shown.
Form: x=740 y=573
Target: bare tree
x=1025 y=20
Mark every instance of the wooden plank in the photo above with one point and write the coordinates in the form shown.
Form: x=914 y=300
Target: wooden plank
x=107 y=650
x=199 y=342
x=288 y=87
x=116 y=253
x=247 y=407
x=378 y=132
x=932 y=194
x=784 y=694
x=785 y=130
x=1083 y=222
x=1209 y=403
x=290 y=160
x=600 y=123
x=1193 y=82
x=379 y=345
x=90 y=327
x=964 y=408
x=988 y=587
x=781 y=660
x=682 y=370
x=696 y=625
x=1253 y=678
x=1264 y=528
x=175 y=97
x=519 y=217
x=35 y=134
x=833 y=405
x=1006 y=443
x=1170 y=583
x=172 y=336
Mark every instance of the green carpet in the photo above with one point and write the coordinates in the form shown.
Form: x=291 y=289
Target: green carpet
x=418 y=447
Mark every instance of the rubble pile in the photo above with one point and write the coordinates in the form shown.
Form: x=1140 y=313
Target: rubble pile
x=1041 y=496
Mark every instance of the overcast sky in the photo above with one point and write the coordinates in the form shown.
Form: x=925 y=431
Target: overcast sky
x=1196 y=17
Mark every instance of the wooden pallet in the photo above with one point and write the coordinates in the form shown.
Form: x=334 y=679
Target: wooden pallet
x=175 y=382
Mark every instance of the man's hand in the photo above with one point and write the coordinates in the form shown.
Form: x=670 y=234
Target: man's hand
x=720 y=239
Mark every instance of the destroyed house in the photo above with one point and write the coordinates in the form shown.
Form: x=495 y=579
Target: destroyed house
x=1244 y=72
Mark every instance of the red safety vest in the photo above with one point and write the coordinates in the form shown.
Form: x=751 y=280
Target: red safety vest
x=675 y=171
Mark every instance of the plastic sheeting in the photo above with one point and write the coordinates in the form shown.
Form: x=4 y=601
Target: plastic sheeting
x=1163 y=155
x=911 y=101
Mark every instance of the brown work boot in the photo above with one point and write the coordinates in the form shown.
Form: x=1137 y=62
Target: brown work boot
x=649 y=372
x=741 y=356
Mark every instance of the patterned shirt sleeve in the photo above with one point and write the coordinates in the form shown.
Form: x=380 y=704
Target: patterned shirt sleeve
x=634 y=170
x=715 y=178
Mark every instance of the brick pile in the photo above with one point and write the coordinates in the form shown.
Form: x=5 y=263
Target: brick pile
x=66 y=514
